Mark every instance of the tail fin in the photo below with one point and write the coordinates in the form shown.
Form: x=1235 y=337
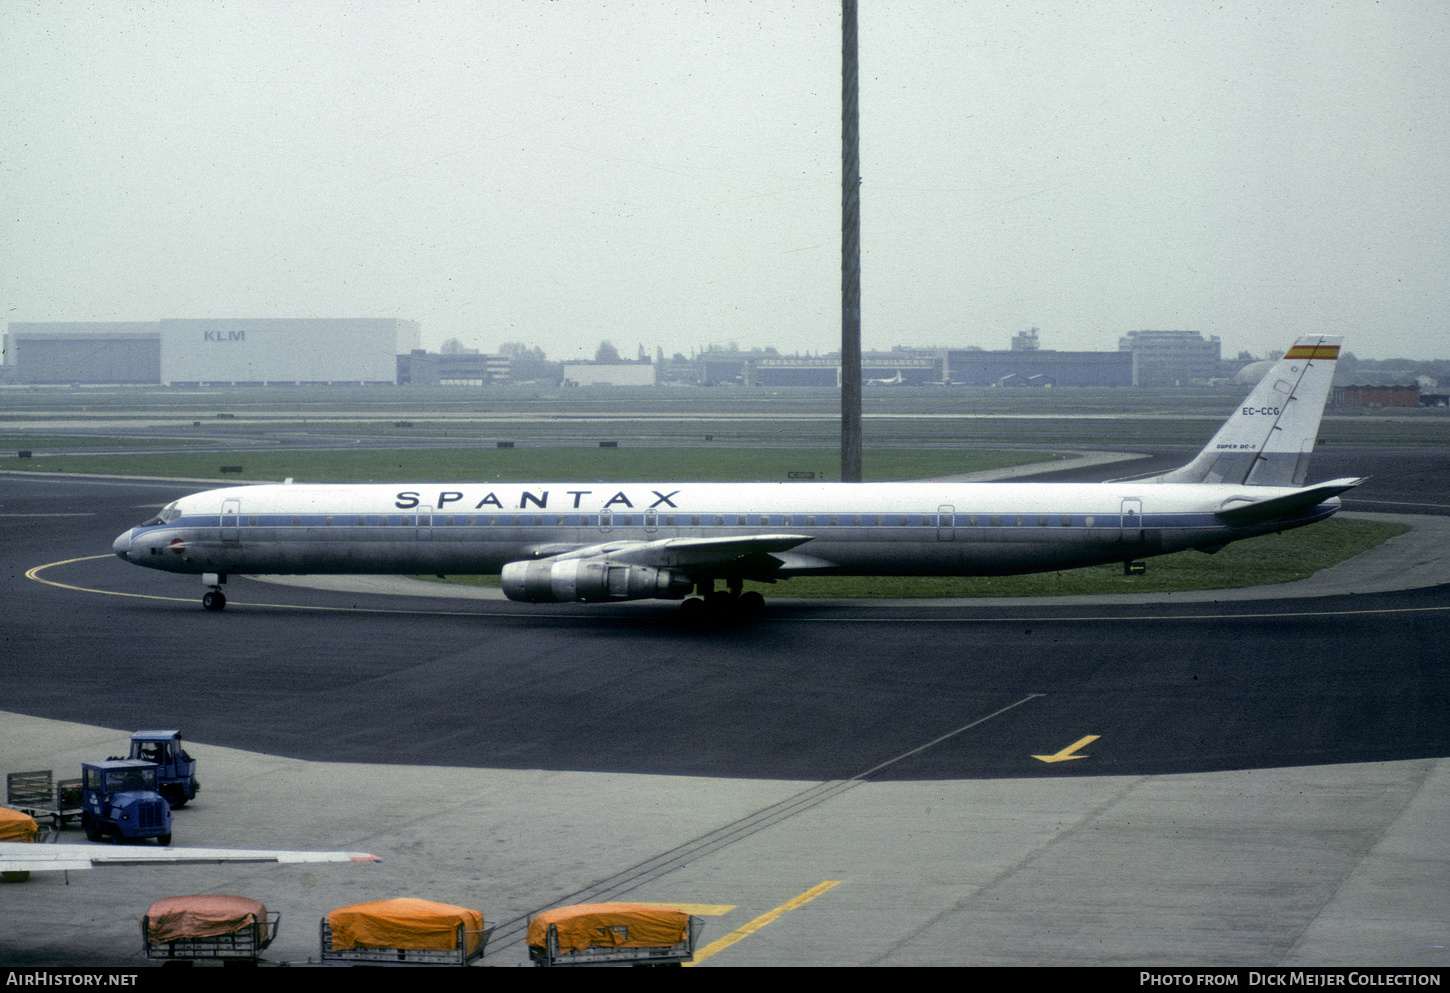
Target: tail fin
x=1268 y=440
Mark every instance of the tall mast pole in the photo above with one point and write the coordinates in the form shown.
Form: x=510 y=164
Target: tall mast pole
x=850 y=252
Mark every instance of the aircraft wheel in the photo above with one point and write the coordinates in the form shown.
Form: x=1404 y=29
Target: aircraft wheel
x=751 y=603
x=214 y=600
x=692 y=609
x=719 y=603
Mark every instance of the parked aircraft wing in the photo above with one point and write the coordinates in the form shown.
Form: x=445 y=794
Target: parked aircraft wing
x=19 y=856
x=687 y=551
x=1258 y=510
x=631 y=569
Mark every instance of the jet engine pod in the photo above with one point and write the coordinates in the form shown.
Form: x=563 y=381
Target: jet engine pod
x=590 y=580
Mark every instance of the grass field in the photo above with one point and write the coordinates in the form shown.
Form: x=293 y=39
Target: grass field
x=803 y=418
x=1275 y=558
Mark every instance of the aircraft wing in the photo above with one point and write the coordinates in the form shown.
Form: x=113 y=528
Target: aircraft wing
x=1258 y=510
x=20 y=856
x=629 y=569
x=687 y=552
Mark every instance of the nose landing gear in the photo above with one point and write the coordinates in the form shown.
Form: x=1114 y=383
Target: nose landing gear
x=214 y=598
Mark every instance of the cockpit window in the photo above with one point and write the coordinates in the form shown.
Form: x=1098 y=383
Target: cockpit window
x=169 y=513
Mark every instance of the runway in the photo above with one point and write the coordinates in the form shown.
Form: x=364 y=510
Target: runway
x=1263 y=782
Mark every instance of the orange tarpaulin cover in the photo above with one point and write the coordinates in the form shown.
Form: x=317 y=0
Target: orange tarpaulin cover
x=177 y=917
x=611 y=925
x=405 y=923
x=15 y=826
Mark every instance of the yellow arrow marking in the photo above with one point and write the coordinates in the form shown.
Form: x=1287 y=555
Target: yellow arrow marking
x=1066 y=753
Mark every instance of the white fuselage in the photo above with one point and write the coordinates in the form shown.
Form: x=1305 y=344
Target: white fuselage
x=939 y=529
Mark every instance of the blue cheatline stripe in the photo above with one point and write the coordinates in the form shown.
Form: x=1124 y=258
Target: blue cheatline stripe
x=984 y=521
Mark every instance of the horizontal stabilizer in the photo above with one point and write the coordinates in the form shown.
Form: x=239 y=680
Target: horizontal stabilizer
x=1248 y=512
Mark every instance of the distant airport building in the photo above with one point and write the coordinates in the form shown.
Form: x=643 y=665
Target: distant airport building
x=462 y=368
x=83 y=353
x=1376 y=396
x=1172 y=358
x=609 y=373
x=210 y=351
x=904 y=367
x=926 y=366
x=1025 y=341
x=795 y=370
x=304 y=350
x=1036 y=367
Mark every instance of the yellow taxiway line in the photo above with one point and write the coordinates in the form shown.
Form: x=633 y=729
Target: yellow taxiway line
x=761 y=921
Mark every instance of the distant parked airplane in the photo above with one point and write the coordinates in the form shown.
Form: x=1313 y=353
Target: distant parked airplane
x=559 y=542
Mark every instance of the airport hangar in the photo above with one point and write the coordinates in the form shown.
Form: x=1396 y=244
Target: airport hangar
x=207 y=351
x=920 y=367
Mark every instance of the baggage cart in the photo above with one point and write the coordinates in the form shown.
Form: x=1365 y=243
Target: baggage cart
x=613 y=934
x=404 y=932
x=18 y=826
x=39 y=795
x=186 y=929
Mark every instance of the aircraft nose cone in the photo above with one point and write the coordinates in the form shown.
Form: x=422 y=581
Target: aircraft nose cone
x=122 y=545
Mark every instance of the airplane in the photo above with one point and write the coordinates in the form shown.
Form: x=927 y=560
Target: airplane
x=893 y=381
x=26 y=857
x=605 y=542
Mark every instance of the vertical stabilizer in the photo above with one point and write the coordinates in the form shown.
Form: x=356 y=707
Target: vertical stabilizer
x=1268 y=439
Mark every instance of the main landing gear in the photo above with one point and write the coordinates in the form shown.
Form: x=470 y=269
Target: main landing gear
x=720 y=605
x=214 y=598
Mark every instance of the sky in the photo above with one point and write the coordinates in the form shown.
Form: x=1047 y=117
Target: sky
x=666 y=173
